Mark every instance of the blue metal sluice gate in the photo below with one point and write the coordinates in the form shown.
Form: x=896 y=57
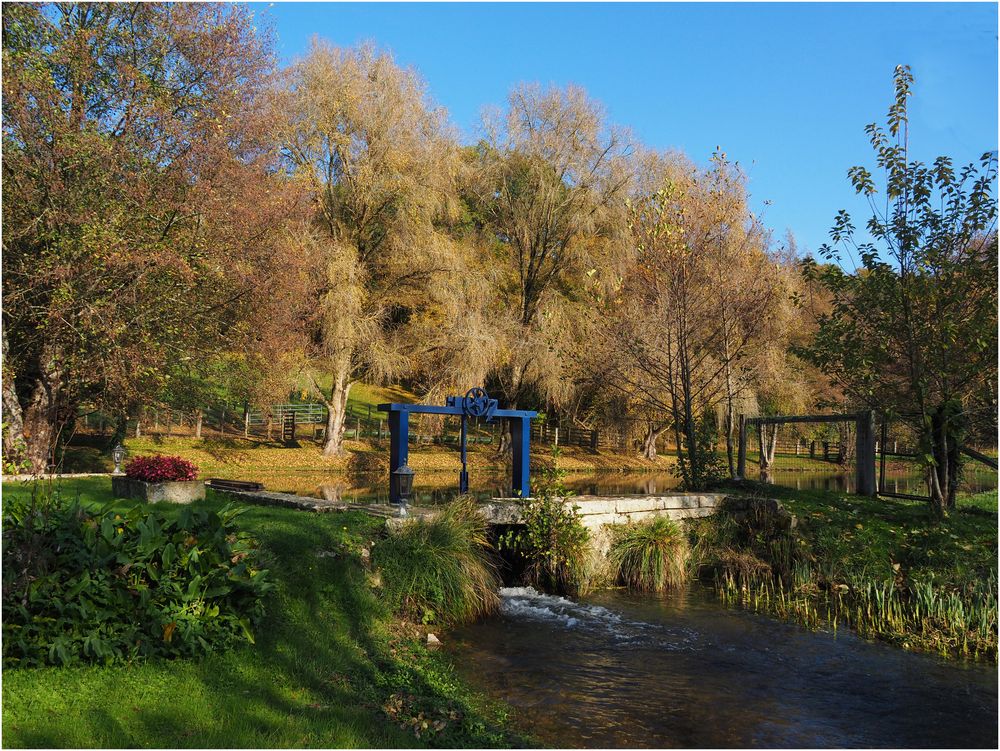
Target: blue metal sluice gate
x=476 y=404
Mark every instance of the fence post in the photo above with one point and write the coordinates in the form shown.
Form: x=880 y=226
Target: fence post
x=741 y=455
x=864 y=454
x=593 y=440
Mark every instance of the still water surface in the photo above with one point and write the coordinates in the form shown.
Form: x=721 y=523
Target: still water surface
x=619 y=670
x=439 y=487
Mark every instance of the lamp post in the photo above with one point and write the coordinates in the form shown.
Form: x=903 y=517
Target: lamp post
x=118 y=454
x=401 y=487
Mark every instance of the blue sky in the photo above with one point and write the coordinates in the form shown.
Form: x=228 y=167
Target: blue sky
x=785 y=89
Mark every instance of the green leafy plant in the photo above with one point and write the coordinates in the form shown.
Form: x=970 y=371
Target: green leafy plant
x=110 y=586
x=440 y=570
x=553 y=540
x=650 y=556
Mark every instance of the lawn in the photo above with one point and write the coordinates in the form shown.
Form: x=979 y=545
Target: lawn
x=330 y=668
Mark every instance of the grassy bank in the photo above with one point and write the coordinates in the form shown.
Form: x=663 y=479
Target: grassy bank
x=238 y=456
x=882 y=566
x=330 y=668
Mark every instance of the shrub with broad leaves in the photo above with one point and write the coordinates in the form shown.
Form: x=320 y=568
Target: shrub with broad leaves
x=161 y=469
x=109 y=586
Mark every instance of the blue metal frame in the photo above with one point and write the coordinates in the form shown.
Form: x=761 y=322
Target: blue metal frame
x=476 y=403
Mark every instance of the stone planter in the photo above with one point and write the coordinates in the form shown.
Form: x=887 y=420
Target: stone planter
x=152 y=492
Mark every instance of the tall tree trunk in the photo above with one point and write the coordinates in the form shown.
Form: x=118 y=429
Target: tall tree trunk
x=44 y=411
x=198 y=414
x=943 y=476
x=14 y=446
x=768 y=444
x=653 y=433
x=336 y=418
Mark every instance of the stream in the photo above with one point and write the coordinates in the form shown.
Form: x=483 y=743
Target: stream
x=621 y=670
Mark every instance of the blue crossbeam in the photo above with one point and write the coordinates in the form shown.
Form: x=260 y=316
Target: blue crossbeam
x=430 y=409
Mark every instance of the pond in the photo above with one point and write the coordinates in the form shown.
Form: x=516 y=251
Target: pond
x=438 y=487
x=620 y=670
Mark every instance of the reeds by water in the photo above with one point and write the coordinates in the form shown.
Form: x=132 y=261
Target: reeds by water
x=921 y=615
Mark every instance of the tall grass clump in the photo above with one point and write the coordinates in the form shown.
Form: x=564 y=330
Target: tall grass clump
x=650 y=556
x=440 y=570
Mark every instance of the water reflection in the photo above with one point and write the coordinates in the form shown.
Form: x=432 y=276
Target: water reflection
x=431 y=488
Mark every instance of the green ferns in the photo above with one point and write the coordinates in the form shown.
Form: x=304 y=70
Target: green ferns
x=440 y=570
x=650 y=556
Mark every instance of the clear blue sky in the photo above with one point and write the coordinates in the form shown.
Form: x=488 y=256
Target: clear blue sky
x=785 y=89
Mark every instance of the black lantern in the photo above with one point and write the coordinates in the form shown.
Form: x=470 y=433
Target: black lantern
x=118 y=454
x=401 y=486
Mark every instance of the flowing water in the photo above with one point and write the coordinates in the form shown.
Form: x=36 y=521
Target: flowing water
x=620 y=670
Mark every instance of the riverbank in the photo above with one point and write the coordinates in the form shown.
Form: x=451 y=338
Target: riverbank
x=236 y=456
x=331 y=667
x=883 y=567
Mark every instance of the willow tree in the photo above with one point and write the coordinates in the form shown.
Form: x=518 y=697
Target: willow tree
x=142 y=213
x=912 y=325
x=549 y=200
x=379 y=162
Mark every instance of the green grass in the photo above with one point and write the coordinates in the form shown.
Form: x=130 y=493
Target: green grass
x=441 y=570
x=887 y=567
x=650 y=556
x=331 y=667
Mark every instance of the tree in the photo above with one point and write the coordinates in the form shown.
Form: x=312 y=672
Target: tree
x=912 y=329
x=142 y=212
x=692 y=316
x=548 y=197
x=379 y=162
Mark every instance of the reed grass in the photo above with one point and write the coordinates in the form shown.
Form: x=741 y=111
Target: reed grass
x=651 y=556
x=441 y=570
x=921 y=615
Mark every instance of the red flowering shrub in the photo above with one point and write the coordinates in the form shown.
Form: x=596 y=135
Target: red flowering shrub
x=160 y=469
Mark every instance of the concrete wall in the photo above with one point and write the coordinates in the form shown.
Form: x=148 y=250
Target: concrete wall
x=596 y=511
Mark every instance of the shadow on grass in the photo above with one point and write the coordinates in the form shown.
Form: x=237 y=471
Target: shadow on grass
x=324 y=664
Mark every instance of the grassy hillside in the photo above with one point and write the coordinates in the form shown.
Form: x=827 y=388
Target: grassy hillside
x=331 y=668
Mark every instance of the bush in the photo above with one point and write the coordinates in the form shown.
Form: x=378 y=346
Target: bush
x=81 y=587
x=650 y=556
x=161 y=469
x=440 y=570
x=553 y=543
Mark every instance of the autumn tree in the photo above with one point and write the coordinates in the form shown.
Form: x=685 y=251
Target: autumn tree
x=912 y=325
x=142 y=212
x=693 y=313
x=379 y=161
x=548 y=197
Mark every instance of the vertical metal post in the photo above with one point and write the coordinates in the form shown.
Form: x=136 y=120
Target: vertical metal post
x=741 y=455
x=520 y=439
x=463 y=477
x=399 y=434
x=881 y=468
